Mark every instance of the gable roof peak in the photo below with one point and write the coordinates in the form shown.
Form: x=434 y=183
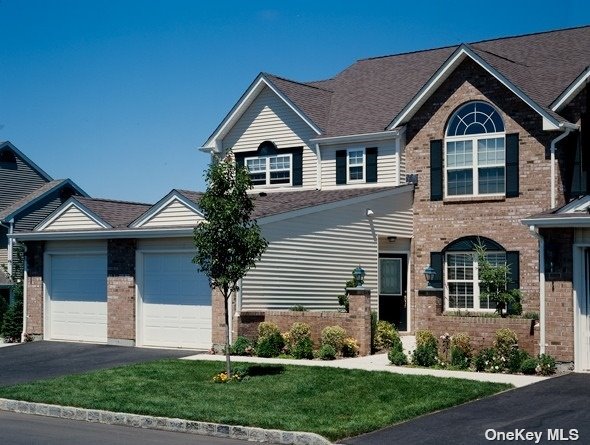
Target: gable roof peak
x=310 y=84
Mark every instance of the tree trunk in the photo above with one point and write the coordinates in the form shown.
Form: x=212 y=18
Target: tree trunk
x=226 y=295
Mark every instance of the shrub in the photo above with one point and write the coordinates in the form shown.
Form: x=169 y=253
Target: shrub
x=270 y=345
x=385 y=335
x=299 y=331
x=461 y=350
x=485 y=359
x=303 y=349
x=506 y=340
x=267 y=328
x=529 y=366
x=545 y=365
x=334 y=336
x=242 y=346
x=516 y=357
x=350 y=347
x=397 y=358
x=299 y=308
x=373 y=330
x=327 y=352
x=12 y=326
x=426 y=353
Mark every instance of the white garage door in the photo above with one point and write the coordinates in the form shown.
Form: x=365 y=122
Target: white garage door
x=78 y=297
x=176 y=302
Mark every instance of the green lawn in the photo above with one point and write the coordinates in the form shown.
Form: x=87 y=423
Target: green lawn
x=335 y=403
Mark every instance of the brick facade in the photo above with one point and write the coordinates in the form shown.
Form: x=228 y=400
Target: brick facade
x=357 y=322
x=34 y=290
x=438 y=223
x=121 y=291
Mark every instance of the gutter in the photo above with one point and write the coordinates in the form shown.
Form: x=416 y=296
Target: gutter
x=542 y=312
x=103 y=234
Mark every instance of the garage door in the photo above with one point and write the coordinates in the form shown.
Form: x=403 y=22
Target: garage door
x=176 y=302
x=78 y=297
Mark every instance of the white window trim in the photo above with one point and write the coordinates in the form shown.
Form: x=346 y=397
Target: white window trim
x=267 y=170
x=474 y=165
x=475 y=281
x=363 y=165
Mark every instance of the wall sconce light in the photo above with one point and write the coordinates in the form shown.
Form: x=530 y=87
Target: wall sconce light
x=359 y=276
x=370 y=213
x=430 y=275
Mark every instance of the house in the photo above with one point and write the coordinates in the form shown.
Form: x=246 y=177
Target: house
x=397 y=163
x=27 y=195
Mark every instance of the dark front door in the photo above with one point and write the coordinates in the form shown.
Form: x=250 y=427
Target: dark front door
x=393 y=281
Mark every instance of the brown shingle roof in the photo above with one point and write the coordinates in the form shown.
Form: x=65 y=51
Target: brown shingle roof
x=366 y=96
x=276 y=203
x=117 y=213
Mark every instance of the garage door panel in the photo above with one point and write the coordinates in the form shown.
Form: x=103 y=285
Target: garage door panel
x=78 y=297
x=176 y=309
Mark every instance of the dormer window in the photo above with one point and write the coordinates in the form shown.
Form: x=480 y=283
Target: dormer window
x=475 y=158
x=270 y=170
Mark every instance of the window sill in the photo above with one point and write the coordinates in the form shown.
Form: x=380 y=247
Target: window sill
x=473 y=199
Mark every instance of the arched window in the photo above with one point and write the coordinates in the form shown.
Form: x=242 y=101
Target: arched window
x=475 y=153
x=269 y=167
x=462 y=270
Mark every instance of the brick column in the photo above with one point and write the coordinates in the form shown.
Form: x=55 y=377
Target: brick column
x=359 y=311
x=34 y=291
x=428 y=304
x=121 y=292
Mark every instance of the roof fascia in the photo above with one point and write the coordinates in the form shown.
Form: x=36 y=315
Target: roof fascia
x=351 y=138
x=43 y=195
x=570 y=92
x=103 y=234
x=445 y=70
x=557 y=222
x=72 y=202
x=27 y=160
x=161 y=204
x=334 y=205
x=214 y=141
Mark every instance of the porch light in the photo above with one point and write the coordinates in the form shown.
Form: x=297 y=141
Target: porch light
x=359 y=276
x=430 y=275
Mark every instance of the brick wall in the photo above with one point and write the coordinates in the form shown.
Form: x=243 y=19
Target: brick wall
x=34 y=290
x=121 y=291
x=437 y=223
x=482 y=330
x=357 y=322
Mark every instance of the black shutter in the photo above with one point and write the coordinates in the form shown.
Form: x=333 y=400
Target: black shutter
x=436 y=262
x=341 y=167
x=371 y=164
x=513 y=263
x=512 y=171
x=297 y=165
x=436 y=170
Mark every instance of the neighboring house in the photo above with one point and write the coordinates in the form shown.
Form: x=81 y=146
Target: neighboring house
x=397 y=163
x=27 y=196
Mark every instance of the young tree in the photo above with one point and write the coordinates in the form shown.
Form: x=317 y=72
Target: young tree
x=229 y=242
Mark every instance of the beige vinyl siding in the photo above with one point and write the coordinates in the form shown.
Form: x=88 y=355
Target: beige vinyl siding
x=269 y=118
x=174 y=214
x=73 y=219
x=387 y=163
x=310 y=257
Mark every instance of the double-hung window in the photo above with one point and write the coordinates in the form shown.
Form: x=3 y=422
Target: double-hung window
x=270 y=170
x=355 y=165
x=462 y=278
x=475 y=152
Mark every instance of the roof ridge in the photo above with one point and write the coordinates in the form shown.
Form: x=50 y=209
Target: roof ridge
x=300 y=83
x=530 y=34
x=499 y=56
x=426 y=50
x=114 y=200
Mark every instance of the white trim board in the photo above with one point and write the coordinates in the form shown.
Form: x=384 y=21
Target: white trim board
x=162 y=204
x=70 y=203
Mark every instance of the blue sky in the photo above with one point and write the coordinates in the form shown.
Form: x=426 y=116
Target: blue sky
x=118 y=95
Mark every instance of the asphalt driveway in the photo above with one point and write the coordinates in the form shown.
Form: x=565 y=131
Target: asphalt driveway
x=552 y=411
x=43 y=359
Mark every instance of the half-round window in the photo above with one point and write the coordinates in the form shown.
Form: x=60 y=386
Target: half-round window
x=475 y=118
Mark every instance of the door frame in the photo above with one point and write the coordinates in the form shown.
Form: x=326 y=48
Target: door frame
x=581 y=297
x=383 y=254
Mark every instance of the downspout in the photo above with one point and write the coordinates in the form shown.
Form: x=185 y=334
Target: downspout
x=554 y=142
x=542 y=316
x=319 y=167
x=10 y=246
x=23 y=335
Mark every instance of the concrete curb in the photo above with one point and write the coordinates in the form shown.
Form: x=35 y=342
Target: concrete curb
x=164 y=423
